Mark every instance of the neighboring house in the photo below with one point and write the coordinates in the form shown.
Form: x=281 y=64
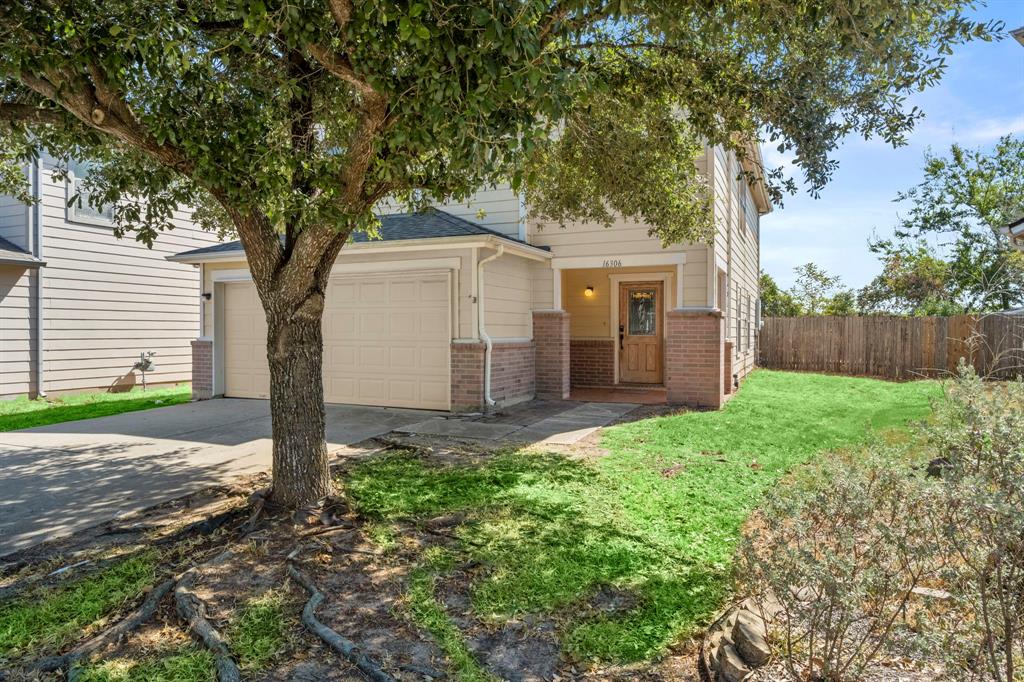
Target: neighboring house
x=447 y=312
x=1015 y=231
x=78 y=305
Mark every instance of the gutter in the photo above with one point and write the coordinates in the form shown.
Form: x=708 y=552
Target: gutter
x=36 y=223
x=399 y=245
x=488 y=344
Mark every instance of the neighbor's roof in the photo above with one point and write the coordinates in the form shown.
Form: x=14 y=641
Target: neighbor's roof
x=430 y=224
x=11 y=254
x=1018 y=33
x=1016 y=230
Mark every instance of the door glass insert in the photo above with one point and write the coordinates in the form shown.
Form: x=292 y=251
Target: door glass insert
x=643 y=315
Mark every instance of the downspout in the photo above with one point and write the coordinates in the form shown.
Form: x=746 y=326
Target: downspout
x=488 y=345
x=36 y=220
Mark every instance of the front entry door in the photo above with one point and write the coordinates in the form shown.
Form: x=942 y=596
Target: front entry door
x=640 y=332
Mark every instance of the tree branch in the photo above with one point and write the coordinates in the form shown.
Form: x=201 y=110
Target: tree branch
x=31 y=113
x=341 y=10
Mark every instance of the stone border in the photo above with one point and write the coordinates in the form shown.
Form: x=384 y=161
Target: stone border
x=736 y=643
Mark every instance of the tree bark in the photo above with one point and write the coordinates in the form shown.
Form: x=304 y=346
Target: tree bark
x=295 y=356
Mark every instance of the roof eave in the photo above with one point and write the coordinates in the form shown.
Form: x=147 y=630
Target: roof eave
x=755 y=167
x=525 y=250
x=29 y=261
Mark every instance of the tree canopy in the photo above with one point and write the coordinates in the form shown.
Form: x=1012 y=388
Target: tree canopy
x=949 y=253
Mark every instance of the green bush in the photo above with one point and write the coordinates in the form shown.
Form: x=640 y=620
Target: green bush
x=844 y=546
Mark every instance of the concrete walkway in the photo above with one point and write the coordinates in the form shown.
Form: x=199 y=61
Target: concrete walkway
x=568 y=423
x=57 y=479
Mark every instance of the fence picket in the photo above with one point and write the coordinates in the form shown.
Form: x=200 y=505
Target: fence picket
x=894 y=347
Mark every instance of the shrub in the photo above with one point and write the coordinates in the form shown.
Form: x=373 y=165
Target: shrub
x=841 y=550
x=978 y=439
x=843 y=547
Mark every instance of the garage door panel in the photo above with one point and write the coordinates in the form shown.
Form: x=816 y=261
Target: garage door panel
x=435 y=359
x=434 y=291
x=386 y=341
x=372 y=325
x=373 y=293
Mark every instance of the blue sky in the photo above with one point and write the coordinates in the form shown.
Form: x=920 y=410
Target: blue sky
x=980 y=98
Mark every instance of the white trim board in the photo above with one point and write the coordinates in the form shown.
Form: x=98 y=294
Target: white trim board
x=626 y=261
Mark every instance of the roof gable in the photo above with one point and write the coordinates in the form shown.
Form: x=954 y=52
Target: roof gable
x=431 y=223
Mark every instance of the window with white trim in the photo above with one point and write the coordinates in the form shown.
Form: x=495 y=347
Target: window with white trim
x=80 y=209
x=738 y=336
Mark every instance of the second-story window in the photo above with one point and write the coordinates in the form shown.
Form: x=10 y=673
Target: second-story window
x=80 y=208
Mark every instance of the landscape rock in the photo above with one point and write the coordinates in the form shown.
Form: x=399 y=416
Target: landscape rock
x=749 y=639
x=731 y=667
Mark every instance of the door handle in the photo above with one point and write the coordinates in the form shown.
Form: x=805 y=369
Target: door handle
x=622 y=332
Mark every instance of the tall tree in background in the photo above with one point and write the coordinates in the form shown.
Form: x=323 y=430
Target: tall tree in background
x=775 y=302
x=818 y=293
x=949 y=254
x=287 y=122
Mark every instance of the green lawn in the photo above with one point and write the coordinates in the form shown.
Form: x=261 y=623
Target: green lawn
x=23 y=413
x=47 y=620
x=656 y=522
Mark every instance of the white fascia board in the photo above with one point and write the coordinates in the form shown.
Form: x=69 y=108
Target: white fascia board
x=615 y=262
x=427 y=244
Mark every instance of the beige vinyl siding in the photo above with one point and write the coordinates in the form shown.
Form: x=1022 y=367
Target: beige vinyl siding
x=17 y=355
x=737 y=243
x=497 y=208
x=107 y=299
x=463 y=316
x=500 y=207
x=14 y=222
x=507 y=297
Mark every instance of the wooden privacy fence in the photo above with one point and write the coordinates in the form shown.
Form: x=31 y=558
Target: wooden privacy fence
x=895 y=347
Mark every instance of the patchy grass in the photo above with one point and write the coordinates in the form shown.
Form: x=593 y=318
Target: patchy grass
x=430 y=615
x=49 y=619
x=22 y=413
x=187 y=664
x=259 y=633
x=658 y=518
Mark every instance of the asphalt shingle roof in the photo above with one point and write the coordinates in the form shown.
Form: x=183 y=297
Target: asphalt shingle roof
x=14 y=254
x=432 y=223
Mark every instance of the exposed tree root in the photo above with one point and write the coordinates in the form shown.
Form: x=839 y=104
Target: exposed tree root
x=193 y=611
x=127 y=625
x=202 y=527
x=343 y=646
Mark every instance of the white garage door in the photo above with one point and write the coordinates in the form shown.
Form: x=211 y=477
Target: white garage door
x=386 y=341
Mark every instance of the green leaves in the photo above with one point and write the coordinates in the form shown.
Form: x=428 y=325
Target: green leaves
x=229 y=97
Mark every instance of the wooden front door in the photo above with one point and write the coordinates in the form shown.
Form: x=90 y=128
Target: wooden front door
x=640 y=332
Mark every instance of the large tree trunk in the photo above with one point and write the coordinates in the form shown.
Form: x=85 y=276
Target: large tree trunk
x=295 y=353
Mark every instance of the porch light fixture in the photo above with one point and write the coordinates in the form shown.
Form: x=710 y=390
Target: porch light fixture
x=588 y=292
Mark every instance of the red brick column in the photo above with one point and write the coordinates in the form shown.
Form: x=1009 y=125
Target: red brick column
x=727 y=372
x=202 y=368
x=467 y=372
x=695 y=358
x=513 y=371
x=592 y=362
x=551 y=337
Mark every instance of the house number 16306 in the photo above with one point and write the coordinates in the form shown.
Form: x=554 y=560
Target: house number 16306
x=613 y=263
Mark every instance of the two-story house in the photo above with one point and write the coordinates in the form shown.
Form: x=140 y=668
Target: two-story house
x=451 y=312
x=78 y=305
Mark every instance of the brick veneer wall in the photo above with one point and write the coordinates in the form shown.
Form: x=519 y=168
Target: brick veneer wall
x=729 y=355
x=202 y=369
x=513 y=371
x=695 y=358
x=551 y=336
x=592 y=362
x=467 y=376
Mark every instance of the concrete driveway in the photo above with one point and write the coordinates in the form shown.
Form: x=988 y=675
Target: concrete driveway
x=61 y=478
